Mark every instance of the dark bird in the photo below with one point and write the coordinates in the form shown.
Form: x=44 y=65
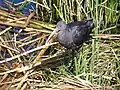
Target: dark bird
x=73 y=35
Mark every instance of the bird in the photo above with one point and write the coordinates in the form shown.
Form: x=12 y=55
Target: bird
x=72 y=35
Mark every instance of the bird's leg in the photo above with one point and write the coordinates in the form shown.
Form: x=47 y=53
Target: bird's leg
x=89 y=40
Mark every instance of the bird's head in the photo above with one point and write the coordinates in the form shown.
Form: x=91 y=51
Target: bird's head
x=61 y=25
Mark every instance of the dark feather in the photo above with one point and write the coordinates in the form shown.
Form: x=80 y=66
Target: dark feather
x=74 y=34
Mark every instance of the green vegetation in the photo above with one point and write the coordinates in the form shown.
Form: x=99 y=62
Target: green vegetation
x=98 y=62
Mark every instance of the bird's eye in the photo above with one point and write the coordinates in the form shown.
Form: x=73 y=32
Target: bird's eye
x=58 y=30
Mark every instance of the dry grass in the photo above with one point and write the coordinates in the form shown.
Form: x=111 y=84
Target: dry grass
x=29 y=61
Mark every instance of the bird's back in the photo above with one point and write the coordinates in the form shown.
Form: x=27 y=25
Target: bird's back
x=81 y=31
x=75 y=33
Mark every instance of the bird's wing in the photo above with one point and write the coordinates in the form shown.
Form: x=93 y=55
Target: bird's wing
x=80 y=34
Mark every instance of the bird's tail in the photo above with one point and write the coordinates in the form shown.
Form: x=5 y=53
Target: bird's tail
x=90 y=23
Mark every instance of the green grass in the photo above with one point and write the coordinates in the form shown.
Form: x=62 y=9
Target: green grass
x=98 y=61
